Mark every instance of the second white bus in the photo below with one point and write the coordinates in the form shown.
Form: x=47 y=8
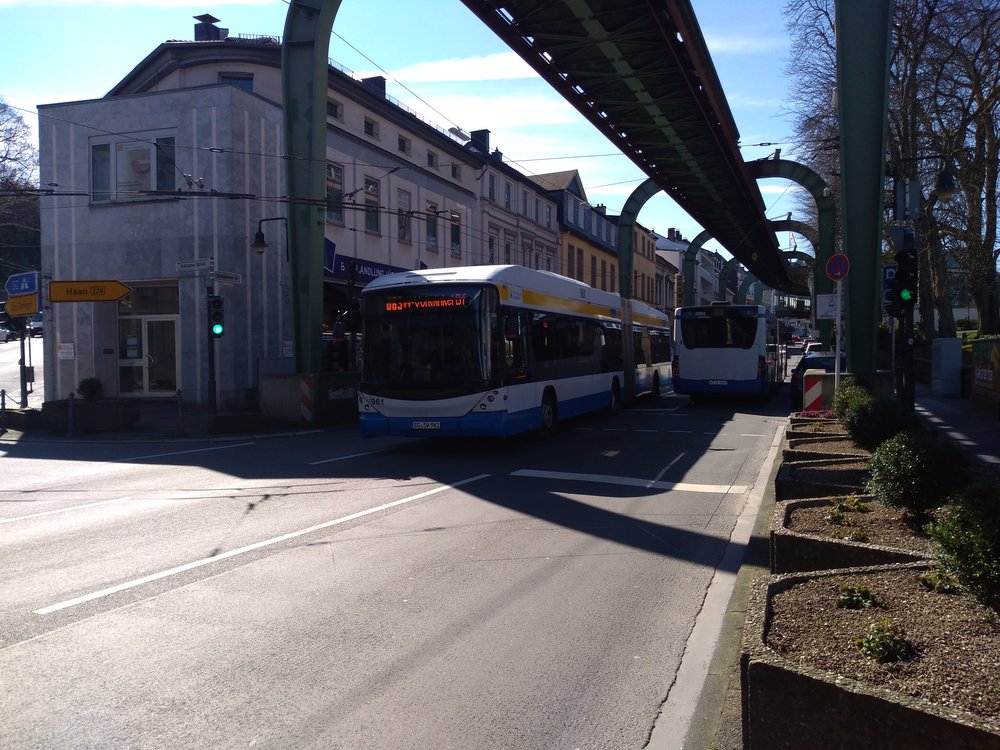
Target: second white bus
x=726 y=348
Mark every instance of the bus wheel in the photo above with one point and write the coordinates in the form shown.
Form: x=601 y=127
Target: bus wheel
x=656 y=385
x=548 y=416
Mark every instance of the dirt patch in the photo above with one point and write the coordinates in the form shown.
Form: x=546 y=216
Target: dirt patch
x=879 y=524
x=954 y=643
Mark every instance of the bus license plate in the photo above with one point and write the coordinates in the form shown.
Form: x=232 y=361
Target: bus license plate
x=426 y=425
x=718 y=382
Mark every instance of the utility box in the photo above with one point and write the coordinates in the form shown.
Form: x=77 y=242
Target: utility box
x=946 y=367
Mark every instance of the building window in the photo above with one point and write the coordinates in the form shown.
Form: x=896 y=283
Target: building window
x=243 y=80
x=334 y=110
x=405 y=229
x=403 y=145
x=128 y=170
x=614 y=279
x=604 y=275
x=524 y=203
x=571 y=262
x=371 y=128
x=492 y=247
x=548 y=216
x=456 y=172
x=431 y=227
x=508 y=190
x=334 y=193
x=456 y=234
x=579 y=264
x=492 y=189
x=432 y=160
x=538 y=210
x=372 y=223
x=508 y=249
x=593 y=271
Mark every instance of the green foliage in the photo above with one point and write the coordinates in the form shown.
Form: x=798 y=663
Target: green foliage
x=849 y=395
x=836 y=516
x=875 y=420
x=855 y=504
x=885 y=641
x=855 y=535
x=939 y=581
x=856 y=597
x=92 y=389
x=916 y=471
x=967 y=542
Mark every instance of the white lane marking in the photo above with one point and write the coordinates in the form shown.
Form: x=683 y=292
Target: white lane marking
x=248 y=548
x=659 y=476
x=181 y=453
x=344 y=458
x=63 y=510
x=631 y=481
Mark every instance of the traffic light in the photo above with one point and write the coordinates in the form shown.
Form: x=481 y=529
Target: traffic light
x=904 y=284
x=216 y=316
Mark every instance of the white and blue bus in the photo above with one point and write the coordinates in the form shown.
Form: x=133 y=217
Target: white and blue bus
x=725 y=348
x=488 y=351
x=651 y=345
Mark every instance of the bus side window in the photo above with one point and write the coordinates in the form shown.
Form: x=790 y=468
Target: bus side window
x=515 y=345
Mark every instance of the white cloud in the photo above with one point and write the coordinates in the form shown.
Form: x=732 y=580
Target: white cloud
x=501 y=66
x=740 y=44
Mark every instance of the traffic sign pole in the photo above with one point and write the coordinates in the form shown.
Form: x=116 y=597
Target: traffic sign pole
x=836 y=269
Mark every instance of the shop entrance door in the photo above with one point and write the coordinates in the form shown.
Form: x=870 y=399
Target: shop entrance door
x=147 y=356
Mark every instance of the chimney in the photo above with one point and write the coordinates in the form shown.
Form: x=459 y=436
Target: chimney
x=497 y=155
x=480 y=141
x=206 y=30
x=601 y=209
x=375 y=84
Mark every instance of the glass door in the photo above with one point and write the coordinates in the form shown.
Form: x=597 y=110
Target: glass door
x=147 y=356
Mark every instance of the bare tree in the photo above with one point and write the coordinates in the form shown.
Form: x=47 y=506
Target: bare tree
x=19 y=217
x=944 y=94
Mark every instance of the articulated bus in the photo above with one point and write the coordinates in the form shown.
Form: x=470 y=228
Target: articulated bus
x=494 y=351
x=725 y=348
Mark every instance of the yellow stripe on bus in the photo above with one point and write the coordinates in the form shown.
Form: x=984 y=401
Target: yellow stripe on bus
x=579 y=306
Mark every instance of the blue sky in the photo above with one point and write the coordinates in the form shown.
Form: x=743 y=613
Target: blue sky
x=440 y=60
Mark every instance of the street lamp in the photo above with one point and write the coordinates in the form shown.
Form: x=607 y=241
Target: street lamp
x=259 y=244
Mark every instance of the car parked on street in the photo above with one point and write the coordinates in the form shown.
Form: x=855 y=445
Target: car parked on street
x=816 y=360
x=7 y=335
x=36 y=325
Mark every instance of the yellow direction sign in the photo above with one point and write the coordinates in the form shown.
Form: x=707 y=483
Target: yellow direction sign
x=22 y=304
x=87 y=291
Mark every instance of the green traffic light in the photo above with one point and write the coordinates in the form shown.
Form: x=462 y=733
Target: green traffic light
x=906 y=295
x=217 y=329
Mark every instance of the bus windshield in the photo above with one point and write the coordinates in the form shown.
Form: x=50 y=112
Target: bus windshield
x=720 y=327
x=428 y=342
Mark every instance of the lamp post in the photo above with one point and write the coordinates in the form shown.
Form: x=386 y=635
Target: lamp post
x=259 y=244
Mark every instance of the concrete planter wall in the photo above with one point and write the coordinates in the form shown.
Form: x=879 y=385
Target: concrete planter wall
x=787 y=705
x=800 y=479
x=794 y=552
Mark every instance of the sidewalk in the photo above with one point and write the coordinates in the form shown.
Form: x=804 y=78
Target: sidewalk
x=718 y=722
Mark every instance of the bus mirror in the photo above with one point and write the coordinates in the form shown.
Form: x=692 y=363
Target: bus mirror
x=510 y=328
x=599 y=338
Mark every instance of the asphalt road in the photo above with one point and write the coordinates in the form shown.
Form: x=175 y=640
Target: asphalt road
x=325 y=591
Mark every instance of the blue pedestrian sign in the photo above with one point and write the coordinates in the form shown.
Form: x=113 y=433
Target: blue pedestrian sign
x=22 y=283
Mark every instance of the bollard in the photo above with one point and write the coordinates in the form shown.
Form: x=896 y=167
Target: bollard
x=69 y=416
x=3 y=411
x=180 y=412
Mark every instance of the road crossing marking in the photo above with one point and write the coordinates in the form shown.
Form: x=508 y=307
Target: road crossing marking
x=632 y=482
